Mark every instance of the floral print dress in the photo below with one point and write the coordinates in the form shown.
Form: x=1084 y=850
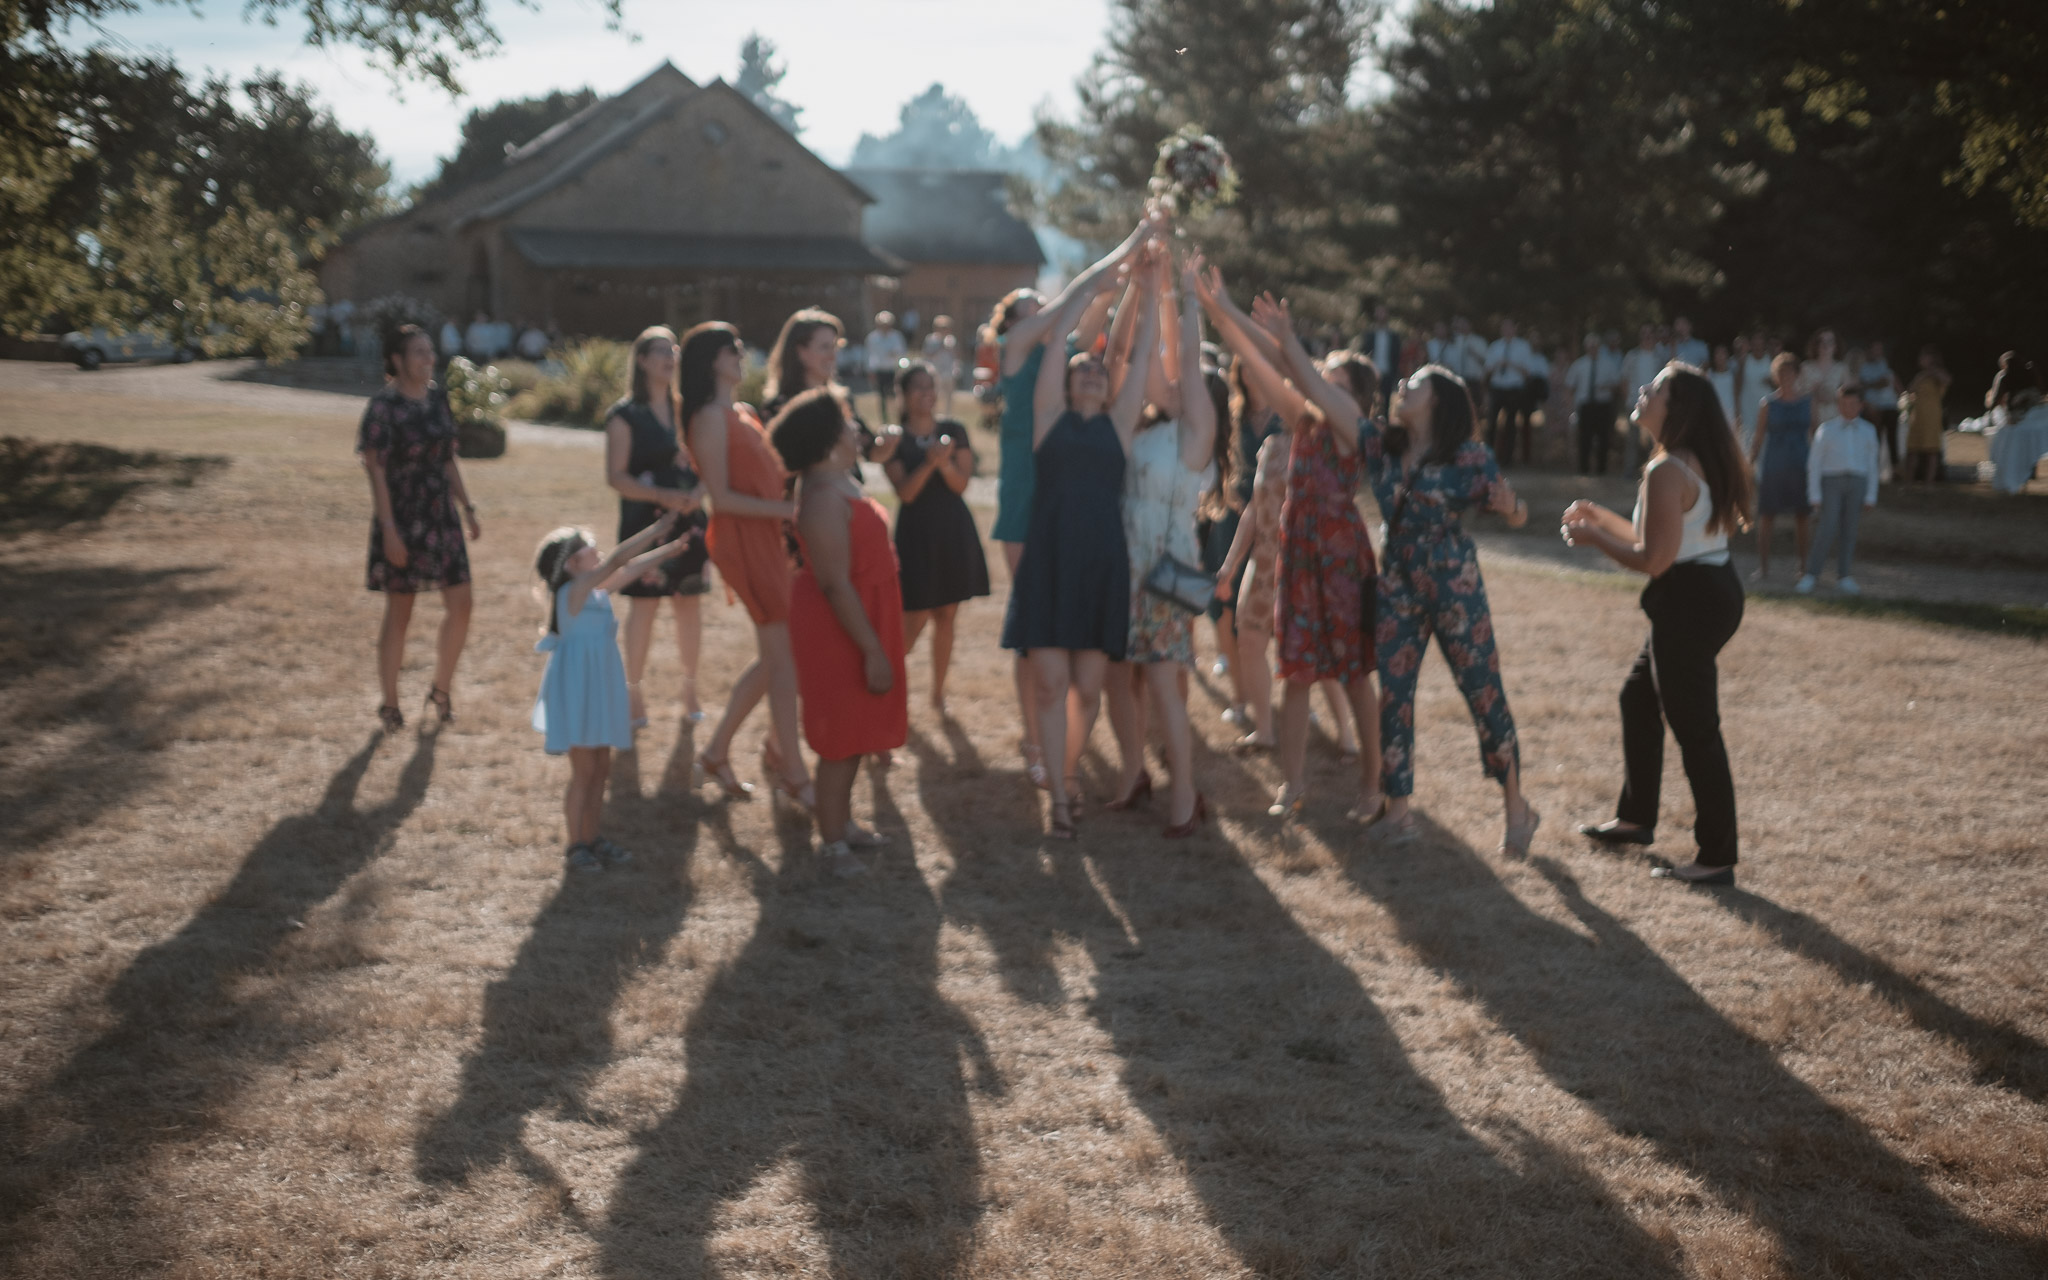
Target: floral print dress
x=1430 y=584
x=415 y=439
x=1325 y=562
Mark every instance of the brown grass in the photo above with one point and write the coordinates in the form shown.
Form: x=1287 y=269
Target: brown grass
x=288 y=999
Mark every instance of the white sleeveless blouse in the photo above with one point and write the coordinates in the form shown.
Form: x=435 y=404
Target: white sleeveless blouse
x=1697 y=546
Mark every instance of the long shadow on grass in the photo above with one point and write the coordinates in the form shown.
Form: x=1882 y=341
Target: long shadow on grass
x=1277 y=1085
x=1613 y=1024
x=184 y=1042
x=547 y=1022
x=2004 y=1055
x=825 y=1044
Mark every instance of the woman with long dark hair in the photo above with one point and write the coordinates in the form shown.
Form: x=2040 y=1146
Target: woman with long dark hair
x=805 y=357
x=407 y=443
x=1427 y=467
x=746 y=484
x=938 y=547
x=646 y=463
x=1694 y=493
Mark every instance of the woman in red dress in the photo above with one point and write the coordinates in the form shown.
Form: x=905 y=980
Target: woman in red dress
x=847 y=604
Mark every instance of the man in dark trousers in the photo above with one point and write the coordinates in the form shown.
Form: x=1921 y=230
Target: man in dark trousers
x=1381 y=344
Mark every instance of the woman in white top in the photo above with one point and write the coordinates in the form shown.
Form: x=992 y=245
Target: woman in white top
x=1695 y=491
x=1722 y=375
x=1822 y=375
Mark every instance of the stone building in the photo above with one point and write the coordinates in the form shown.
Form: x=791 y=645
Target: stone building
x=668 y=203
x=954 y=229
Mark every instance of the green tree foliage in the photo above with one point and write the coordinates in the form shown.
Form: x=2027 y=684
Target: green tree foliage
x=934 y=130
x=489 y=134
x=760 y=76
x=1267 y=77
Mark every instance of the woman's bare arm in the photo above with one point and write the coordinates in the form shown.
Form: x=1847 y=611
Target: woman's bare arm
x=1338 y=406
x=825 y=520
x=1663 y=526
x=1129 y=403
x=1056 y=319
x=1197 y=413
x=1237 y=332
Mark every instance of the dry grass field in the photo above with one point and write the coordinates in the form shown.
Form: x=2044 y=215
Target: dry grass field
x=283 y=997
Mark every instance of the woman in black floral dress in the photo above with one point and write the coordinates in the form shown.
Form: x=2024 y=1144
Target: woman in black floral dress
x=407 y=442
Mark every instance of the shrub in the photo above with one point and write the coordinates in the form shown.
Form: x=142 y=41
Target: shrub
x=524 y=375
x=477 y=397
x=594 y=374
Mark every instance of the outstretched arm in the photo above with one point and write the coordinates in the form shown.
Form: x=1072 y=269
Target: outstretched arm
x=612 y=567
x=1197 y=415
x=1251 y=348
x=1057 y=318
x=1338 y=408
x=1129 y=403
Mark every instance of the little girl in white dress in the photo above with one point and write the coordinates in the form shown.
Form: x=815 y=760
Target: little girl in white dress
x=582 y=708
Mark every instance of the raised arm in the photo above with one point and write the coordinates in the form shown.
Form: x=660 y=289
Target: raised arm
x=1049 y=395
x=1338 y=407
x=611 y=570
x=1197 y=414
x=1261 y=372
x=1057 y=318
x=1129 y=403
x=1163 y=383
x=707 y=444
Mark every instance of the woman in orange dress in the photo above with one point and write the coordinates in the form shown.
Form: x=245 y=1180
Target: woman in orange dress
x=745 y=483
x=848 y=603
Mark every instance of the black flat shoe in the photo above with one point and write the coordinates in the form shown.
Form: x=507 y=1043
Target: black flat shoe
x=1608 y=833
x=1694 y=874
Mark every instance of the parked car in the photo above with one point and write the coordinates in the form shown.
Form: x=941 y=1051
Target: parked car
x=92 y=349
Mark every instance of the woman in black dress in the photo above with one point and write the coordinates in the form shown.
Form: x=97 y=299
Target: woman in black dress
x=645 y=460
x=407 y=442
x=938 y=547
x=1070 y=602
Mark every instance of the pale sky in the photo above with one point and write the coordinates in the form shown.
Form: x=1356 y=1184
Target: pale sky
x=852 y=63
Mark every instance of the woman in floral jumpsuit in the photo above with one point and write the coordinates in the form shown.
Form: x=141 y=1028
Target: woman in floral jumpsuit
x=1426 y=469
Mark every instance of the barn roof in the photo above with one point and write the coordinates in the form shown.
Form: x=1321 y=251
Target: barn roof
x=938 y=215
x=642 y=250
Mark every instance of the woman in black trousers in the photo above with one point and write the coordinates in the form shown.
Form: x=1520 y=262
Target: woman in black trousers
x=1695 y=491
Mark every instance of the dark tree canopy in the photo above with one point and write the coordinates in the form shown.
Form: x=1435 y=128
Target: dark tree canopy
x=760 y=76
x=490 y=133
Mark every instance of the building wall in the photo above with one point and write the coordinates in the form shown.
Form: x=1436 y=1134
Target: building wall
x=965 y=291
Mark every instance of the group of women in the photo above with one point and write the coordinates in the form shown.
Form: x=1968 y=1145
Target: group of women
x=1119 y=448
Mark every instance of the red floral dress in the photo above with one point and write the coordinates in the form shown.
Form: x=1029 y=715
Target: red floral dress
x=1326 y=563
x=416 y=441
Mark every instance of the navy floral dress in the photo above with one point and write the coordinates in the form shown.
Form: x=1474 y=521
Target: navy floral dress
x=1430 y=585
x=416 y=440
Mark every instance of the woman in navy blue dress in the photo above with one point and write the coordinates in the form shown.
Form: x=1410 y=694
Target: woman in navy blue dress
x=1070 y=603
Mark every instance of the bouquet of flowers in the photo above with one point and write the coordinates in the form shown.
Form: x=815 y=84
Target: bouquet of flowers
x=1194 y=174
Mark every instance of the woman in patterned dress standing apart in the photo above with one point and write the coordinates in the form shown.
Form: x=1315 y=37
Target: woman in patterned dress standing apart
x=407 y=443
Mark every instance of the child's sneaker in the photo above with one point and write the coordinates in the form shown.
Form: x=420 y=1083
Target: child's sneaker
x=1805 y=584
x=581 y=858
x=1848 y=587
x=613 y=854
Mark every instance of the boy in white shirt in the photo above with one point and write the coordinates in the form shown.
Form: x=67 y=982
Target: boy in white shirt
x=1841 y=481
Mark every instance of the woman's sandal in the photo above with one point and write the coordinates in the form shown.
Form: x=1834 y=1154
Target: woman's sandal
x=1288 y=805
x=803 y=796
x=438 y=699
x=1034 y=767
x=1397 y=831
x=1369 y=815
x=391 y=718
x=1061 y=825
x=1074 y=794
x=1252 y=744
x=720 y=772
x=1182 y=830
x=1514 y=843
x=859 y=837
x=1140 y=792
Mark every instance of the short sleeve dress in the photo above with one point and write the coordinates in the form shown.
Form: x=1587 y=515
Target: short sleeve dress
x=416 y=440
x=937 y=544
x=750 y=551
x=1326 y=564
x=582 y=700
x=656 y=457
x=841 y=718
x=1073 y=583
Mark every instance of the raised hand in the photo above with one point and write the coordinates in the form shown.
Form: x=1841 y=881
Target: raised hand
x=1272 y=315
x=1191 y=273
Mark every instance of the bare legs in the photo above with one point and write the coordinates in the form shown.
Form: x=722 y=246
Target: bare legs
x=1026 y=677
x=1294 y=708
x=583 y=803
x=835 y=797
x=455 y=603
x=1053 y=672
x=941 y=619
x=1360 y=703
x=689 y=617
x=1802 y=538
x=1255 y=678
x=1339 y=704
x=773 y=673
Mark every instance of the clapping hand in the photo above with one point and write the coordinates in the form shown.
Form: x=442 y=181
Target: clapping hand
x=941 y=451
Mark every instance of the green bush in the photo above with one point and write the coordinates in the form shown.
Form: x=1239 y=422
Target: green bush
x=524 y=375
x=477 y=397
x=594 y=374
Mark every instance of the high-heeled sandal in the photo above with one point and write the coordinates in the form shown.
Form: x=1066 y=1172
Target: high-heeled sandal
x=1288 y=804
x=1140 y=792
x=1074 y=796
x=1369 y=815
x=1034 y=767
x=1252 y=744
x=1182 y=830
x=633 y=722
x=1061 y=824
x=443 y=705
x=391 y=718
x=719 y=770
x=804 y=797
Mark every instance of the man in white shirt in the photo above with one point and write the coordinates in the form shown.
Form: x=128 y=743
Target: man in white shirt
x=885 y=350
x=1381 y=344
x=1685 y=348
x=1841 y=481
x=1506 y=366
x=1642 y=364
x=1439 y=344
x=1591 y=380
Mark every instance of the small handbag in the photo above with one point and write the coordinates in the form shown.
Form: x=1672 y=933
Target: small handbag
x=1181 y=584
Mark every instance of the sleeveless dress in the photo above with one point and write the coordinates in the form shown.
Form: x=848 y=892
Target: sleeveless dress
x=1073 y=584
x=841 y=718
x=1160 y=499
x=937 y=544
x=1259 y=595
x=750 y=552
x=656 y=457
x=1326 y=564
x=1014 y=481
x=1781 y=482
x=582 y=699
x=417 y=440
